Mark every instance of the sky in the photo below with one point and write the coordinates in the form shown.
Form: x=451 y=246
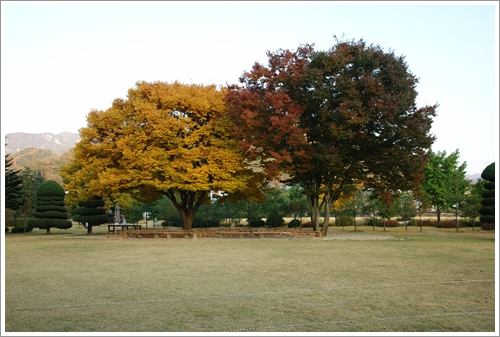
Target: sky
x=60 y=60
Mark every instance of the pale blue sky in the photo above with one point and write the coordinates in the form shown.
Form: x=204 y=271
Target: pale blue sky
x=62 y=59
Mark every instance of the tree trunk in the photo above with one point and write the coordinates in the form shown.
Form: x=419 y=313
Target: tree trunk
x=438 y=213
x=187 y=221
x=188 y=205
x=48 y=230
x=89 y=229
x=314 y=204
x=326 y=220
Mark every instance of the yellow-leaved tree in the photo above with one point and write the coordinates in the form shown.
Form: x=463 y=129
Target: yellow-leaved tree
x=167 y=139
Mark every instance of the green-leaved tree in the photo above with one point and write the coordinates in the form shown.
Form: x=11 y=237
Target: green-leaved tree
x=442 y=183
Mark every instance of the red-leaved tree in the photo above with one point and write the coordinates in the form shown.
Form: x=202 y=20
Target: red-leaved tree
x=329 y=119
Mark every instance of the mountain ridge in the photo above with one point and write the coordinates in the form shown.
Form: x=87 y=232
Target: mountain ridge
x=58 y=143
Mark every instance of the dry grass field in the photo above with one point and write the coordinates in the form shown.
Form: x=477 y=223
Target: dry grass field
x=364 y=281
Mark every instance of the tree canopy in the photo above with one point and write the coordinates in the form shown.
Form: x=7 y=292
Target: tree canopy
x=165 y=139
x=444 y=179
x=331 y=119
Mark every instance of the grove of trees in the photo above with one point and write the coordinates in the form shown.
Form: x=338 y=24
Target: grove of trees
x=339 y=130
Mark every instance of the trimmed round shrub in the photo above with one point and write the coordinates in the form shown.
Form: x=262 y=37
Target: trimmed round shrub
x=275 y=220
x=88 y=211
x=413 y=222
x=60 y=223
x=490 y=185
x=392 y=223
x=488 y=194
x=488 y=202
x=19 y=229
x=488 y=226
x=448 y=224
x=489 y=172
x=51 y=215
x=91 y=219
x=307 y=224
x=46 y=208
x=487 y=210
x=51 y=188
x=36 y=223
x=294 y=223
x=256 y=222
x=488 y=219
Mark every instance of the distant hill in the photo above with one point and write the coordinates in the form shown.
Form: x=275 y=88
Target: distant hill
x=474 y=177
x=45 y=161
x=59 y=144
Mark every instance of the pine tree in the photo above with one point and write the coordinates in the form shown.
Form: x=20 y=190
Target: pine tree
x=488 y=210
x=13 y=186
x=91 y=213
x=50 y=211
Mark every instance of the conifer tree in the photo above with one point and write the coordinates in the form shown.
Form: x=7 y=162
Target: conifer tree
x=487 y=210
x=91 y=213
x=50 y=211
x=13 y=186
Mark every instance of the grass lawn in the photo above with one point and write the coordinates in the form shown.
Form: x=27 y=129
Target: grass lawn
x=397 y=280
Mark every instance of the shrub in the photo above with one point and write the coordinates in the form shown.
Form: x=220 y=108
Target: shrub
x=307 y=224
x=391 y=223
x=413 y=222
x=275 y=220
x=448 y=224
x=256 y=222
x=488 y=226
x=172 y=222
x=469 y=224
x=205 y=223
x=294 y=223
x=21 y=229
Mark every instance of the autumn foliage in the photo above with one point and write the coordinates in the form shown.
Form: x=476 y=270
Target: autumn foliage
x=166 y=139
x=331 y=119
